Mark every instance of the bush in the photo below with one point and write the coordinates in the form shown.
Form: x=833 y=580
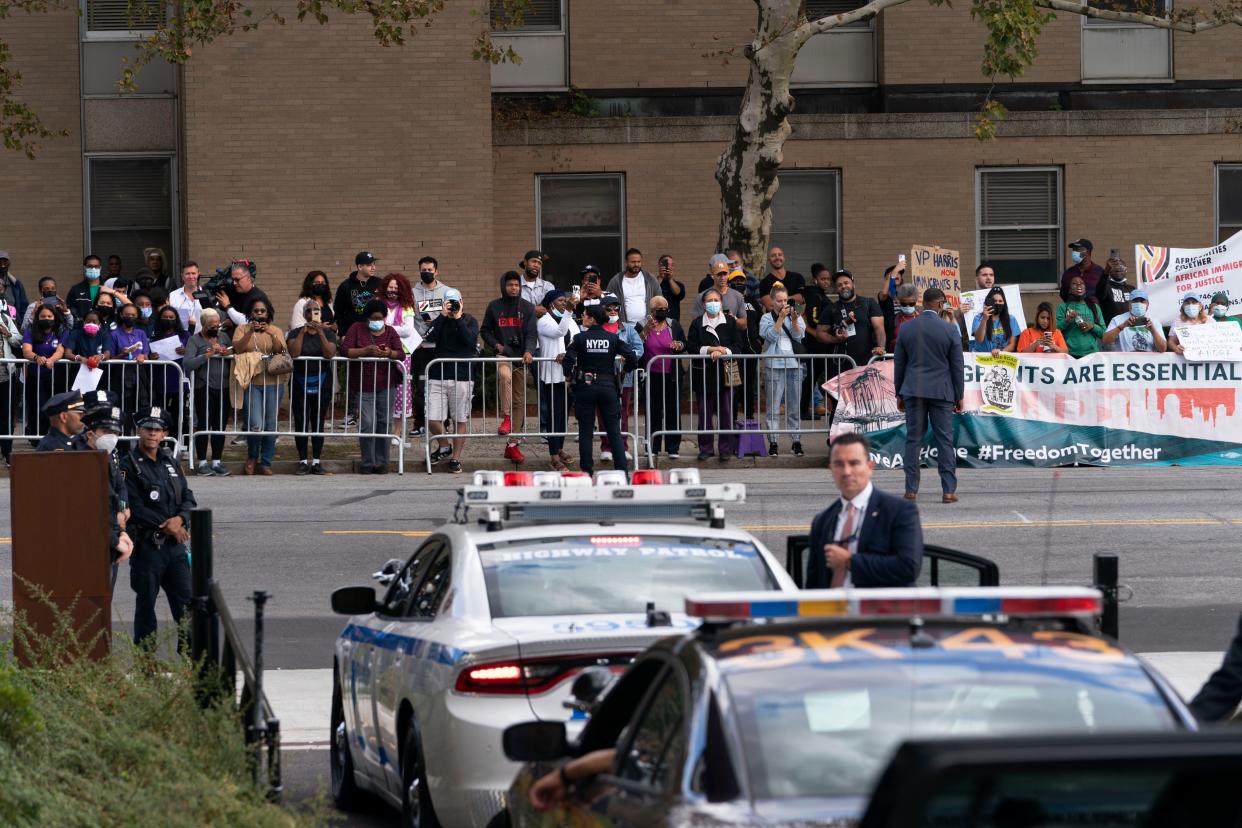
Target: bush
x=122 y=741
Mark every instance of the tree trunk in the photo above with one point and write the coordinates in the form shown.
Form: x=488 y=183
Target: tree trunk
x=746 y=170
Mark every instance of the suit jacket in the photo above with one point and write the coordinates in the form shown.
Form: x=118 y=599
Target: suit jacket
x=1219 y=698
x=890 y=544
x=928 y=360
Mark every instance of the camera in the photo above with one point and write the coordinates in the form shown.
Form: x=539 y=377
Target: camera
x=453 y=305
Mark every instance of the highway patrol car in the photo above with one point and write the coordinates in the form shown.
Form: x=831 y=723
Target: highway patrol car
x=538 y=577
x=785 y=710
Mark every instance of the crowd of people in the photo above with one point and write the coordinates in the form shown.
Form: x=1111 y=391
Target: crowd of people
x=221 y=326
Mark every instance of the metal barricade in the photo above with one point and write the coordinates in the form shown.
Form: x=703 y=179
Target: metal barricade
x=301 y=405
x=753 y=395
x=502 y=386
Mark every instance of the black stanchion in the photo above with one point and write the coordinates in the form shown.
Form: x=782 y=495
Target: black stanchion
x=1106 y=580
x=202 y=617
x=259 y=723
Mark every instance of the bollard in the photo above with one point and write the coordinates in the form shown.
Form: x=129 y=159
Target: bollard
x=258 y=725
x=202 y=618
x=1106 y=578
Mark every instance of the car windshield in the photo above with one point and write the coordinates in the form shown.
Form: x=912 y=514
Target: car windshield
x=828 y=728
x=595 y=575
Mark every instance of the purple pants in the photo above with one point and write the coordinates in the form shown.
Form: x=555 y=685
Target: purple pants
x=720 y=406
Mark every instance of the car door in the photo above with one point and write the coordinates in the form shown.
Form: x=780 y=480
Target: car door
x=379 y=637
x=1173 y=780
x=647 y=778
x=406 y=667
x=941 y=566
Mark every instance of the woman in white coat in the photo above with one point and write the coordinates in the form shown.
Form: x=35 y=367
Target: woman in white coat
x=556 y=329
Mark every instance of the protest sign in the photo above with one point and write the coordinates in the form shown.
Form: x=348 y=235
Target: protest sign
x=999 y=383
x=936 y=267
x=1213 y=342
x=1167 y=273
x=972 y=306
x=1104 y=409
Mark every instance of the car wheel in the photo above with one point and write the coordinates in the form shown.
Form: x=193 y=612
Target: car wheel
x=416 y=809
x=501 y=820
x=344 y=788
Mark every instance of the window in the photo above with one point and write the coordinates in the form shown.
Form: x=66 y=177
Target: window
x=114 y=18
x=842 y=56
x=815 y=9
x=403 y=586
x=1228 y=200
x=581 y=221
x=1121 y=52
x=659 y=738
x=131 y=207
x=806 y=219
x=431 y=591
x=536 y=15
x=541 y=41
x=1020 y=217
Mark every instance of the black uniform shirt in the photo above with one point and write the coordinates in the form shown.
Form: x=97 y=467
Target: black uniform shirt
x=55 y=440
x=595 y=351
x=156 y=490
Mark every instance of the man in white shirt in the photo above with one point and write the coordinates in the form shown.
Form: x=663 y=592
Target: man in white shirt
x=182 y=299
x=635 y=287
x=534 y=287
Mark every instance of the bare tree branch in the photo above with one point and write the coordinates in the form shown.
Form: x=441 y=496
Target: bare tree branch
x=1183 y=23
x=824 y=24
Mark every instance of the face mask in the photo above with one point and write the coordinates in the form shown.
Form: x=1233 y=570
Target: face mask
x=211 y=333
x=1076 y=256
x=376 y=325
x=1191 y=310
x=713 y=308
x=659 y=315
x=92 y=273
x=427 y=276
x=91 y=328
x=556 y=314
x=908 y=310
x=1219 y=311
x=104 y=311
x=613 y=319
x=106 y=442
x=44 y=324
x=129 y=321
x=846 y=294
x=392 y=297
x=319 y=290
x=145 y=313
x=167 y=324
x=1138 y=309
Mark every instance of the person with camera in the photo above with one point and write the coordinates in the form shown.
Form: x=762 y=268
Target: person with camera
x=589 y=294
x=1080 y=321
x=995 y=329
x=160 y=502
x=263 y=393
x=312 y=384
x=48 y=298
x=315 y=288
x=237 y=298
x=853 y=324
x=672 y=290
x=1132 y=331
x=450 y=384
x=206 y=361
x=1042 y=337
x=592 y=358
x=782 y=330
x=509 y=329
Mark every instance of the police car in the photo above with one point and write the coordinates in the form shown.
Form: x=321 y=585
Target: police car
x=537 y=577
x=786 y=709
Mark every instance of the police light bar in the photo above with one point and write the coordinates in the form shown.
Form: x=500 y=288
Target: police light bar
x=880 y=603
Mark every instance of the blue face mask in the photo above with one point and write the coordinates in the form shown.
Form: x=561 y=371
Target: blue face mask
x=146 y=312
x=376 y=325
x=556 y=314
x=92 y=274
x=908 y=310
x=1138 y=309
x=712 y=308
x=1076 y=255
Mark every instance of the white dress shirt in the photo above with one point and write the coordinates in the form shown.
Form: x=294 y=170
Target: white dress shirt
x=860 y=502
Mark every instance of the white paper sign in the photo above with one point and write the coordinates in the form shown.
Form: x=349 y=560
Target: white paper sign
x=972 y=306
x=166 y=348
x=1169 y=273
x=1213 y=342
x=411 y=342
x=87 y=379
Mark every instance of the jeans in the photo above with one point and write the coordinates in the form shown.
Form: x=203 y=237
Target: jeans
x=665 y=411
x=552 y=400
x=918 y=411
x=262 y=408
x=784 y=384
x=151 y=568
x=209 y=416
x=375 y=416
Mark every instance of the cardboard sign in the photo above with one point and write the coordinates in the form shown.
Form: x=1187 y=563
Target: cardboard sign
x=936 y=267
x=1213 y=342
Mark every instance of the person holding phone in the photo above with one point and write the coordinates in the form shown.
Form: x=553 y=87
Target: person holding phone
x=312 y=384
x=672 y=290
x=1042 y=337
x=264 y=392
x=373 y=340
x=1080 y=321
x=995 y=329
x=207 y=359
x=1133 y=331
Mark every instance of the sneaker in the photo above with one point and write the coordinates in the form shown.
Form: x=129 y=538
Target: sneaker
x=606 y=456
x=441 y=454
x=350 y=421
x=512 y=452
x=303 y=468
x=454 y=466
x=219 y=469
x=317 y=468
x=772 y=452
x=506 y=426
x=416 y=432
x=704 y=455
x=796 y=448
x=204 y=470
x=722 y=457
x=672 y=455
x=239 y=440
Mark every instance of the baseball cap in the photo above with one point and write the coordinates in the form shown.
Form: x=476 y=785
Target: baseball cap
x=842 y=272
x=4 y=254
x=1138 y=294
x=364 y=257
x=533 y=254
x=736 y=275
x=152 y=417
x=610 y=299
x=109 y=418
x=1187 y=297
x=452 y=295
x=588 y=269
x=59 y=404
x=1085 y=244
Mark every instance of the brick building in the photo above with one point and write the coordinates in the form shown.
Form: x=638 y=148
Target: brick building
x=299 y=145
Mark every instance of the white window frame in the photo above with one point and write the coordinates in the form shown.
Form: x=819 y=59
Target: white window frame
x=1227 y=165
x=174 y=255
x=1097 y=24
x=980 y=229
x=812 y=172
x=130 y=34
x=620 y=176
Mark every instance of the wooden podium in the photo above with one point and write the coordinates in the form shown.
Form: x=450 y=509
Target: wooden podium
x=59 y=515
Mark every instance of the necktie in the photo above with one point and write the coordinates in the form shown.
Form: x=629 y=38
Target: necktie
x=838 y=575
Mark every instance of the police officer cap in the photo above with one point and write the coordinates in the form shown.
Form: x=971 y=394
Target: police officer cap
x=99 y=400
x=610 y=299
x=108 y=418
x=69 y=401
x=152 y=417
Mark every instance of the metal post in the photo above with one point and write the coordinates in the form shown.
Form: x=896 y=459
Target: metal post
x=1106 y=577
x=258 y=725
x=201 y=615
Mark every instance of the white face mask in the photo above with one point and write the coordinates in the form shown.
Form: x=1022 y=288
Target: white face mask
x=613 y=319
x=106 y=442
x=1190 y=310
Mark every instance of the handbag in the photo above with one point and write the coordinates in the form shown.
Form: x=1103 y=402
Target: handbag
x=279 y=364
x=732 y=375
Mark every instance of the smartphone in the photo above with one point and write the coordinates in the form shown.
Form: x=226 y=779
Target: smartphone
x=50 y=301
x=1115 y=253
x=901 y=258
x=577 y=291
x=316 y=314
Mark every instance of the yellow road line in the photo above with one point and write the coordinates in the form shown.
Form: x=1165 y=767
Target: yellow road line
x=400 y=532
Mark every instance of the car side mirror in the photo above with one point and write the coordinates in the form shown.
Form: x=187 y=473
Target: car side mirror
x=535 y=742
x=388 y=572
x=354 y=600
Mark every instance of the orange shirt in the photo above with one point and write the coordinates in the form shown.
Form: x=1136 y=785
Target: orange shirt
x=1031 y=334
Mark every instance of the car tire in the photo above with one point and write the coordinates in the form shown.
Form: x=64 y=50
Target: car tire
x=416 y=808
x=342 y=785
x=501 y=820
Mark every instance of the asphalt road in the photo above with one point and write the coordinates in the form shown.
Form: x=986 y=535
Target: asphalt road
x=1173 y=529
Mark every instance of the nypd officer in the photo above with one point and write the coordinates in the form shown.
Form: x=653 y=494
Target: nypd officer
x=592 y=357
x=64 y=415
x=103 y=429
x=160 y=501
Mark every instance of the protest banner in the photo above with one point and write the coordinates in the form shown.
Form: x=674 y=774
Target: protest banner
x=972 y=306
x=1213 y=342
x=1167 y=273
x=1105 y=409
x=936 y=267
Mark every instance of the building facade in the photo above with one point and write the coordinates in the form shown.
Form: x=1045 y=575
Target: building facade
x=298 y=146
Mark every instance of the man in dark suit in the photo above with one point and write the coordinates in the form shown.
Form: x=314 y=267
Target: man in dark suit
x=930 y=379
x=1218 y=699
x=866 y=538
